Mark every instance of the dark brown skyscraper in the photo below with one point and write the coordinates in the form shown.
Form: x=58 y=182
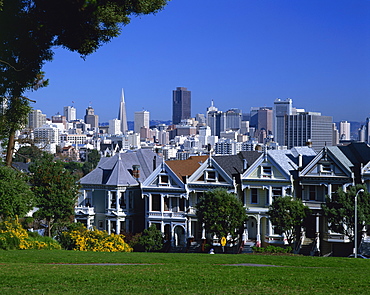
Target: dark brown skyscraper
x=181 y=105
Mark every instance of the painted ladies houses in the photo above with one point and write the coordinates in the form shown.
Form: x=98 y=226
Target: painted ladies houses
x=110 y=196
x=272 y=174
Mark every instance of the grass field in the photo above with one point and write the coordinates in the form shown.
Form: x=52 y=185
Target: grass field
x=69 y=272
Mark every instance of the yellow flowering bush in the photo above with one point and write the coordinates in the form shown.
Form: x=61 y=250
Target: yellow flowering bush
x=14 y=236
x=94 y=240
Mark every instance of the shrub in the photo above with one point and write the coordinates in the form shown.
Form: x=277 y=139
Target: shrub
x=151 y=239
x=271 y=249
x=82 y=239
x=13 y=236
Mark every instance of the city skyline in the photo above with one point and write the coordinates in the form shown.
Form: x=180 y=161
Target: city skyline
x=314 y=52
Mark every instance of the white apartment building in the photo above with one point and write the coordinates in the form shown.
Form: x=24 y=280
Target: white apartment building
x=141 y=119
x=344 y=130
x=114 y=126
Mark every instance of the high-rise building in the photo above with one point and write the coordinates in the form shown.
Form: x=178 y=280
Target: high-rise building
x=91 y=118
x=308 y=127
x=70 y=113
x=114 y=126
x=282 y=108
x=141 y=119
x=181 y=104
x=36 y=119
x=122 y=114
x=344 y=130
x=265 y=120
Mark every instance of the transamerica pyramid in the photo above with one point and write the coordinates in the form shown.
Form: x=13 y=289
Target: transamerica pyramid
x=122 y=114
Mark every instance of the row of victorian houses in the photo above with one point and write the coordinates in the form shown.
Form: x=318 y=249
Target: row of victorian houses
x=131 y=191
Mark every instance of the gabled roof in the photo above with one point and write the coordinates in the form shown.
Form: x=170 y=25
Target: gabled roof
x=117 y=170
x=332 y=153
x=184 y=168
x=235 y=165
x=163 y=169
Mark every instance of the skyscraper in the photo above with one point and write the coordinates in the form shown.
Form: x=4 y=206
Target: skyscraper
x=281 y=109
x=91 y=118
x=36 y=119
x=122 y=114
x=70 y=113
x=308 y=127
x=345 y=130
x=181 y=105
x=141 y=120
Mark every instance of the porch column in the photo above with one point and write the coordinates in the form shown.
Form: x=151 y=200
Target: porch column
x=203 y=232
x=270 y=195
x=258 y=237
x=329 y=189
x=269 y=227
x=189 y=228
x=245 y=233
x=118 y=226
x=117 y=201
x=108 y=227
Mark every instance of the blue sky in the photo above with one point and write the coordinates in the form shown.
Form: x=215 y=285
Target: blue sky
x=240 y=53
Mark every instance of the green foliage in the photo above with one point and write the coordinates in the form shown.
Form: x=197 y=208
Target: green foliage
x=82 y=239
x=13 y=236
x=151 y=239
x=26 y=153
x=16 y=197
x=221 y=212
x=339 y=210
x=270 y=249
x=31 y=29
x=55 y=189
x=288 y=216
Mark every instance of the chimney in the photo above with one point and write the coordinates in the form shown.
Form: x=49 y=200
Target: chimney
x=245 y=164
x=136 y=171
x=300 y=161
x=309 y=143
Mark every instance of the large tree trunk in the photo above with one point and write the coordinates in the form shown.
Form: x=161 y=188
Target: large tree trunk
x=10 y=148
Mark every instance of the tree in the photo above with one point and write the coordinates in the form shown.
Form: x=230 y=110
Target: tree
x=30 y=29
x=222 y=213
x=27 y=153
x=151 y=239
x=16 y=197
x=339 y=210
x=55 y=189
x=288 y=216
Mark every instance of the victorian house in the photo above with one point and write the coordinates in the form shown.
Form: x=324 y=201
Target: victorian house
x=110 y=196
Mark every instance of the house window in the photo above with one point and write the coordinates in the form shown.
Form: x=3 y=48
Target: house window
x=123 y=201
x=277 y=192
x=156 y=202
x=211 y=176
x=131 y=200
x=312 y=193
x=181 y=204
x=166 y=203
x=113 y=200
x=326 y=168
x=254 y=196
x=100 y=224
x=266 y=171
x=163 y=179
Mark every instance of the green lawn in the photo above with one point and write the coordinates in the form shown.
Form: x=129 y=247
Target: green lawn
x=60 y=272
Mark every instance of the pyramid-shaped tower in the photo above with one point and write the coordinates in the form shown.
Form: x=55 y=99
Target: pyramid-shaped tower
x=122 y=114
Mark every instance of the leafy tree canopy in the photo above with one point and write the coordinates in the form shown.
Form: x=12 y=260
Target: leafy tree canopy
x=26 y=153
x=339 y=210
x=151 y=239
x=16 y=197
x=55 y=189
x=287 y=215
x=222 y=213
x=30 y=29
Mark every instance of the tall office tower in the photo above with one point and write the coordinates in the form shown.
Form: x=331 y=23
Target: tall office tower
x=233 y=119
x=114 y=126
x=308 y=127
x=181 y=104
x=216 y=120
x=122 y=114
x=265 y=120
x=335 y=134
x=91 y=118
x=281 y=109
x=141 y=119
x=36 y=119
x=344 y=130
x=201 y=119
x=70 y=113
